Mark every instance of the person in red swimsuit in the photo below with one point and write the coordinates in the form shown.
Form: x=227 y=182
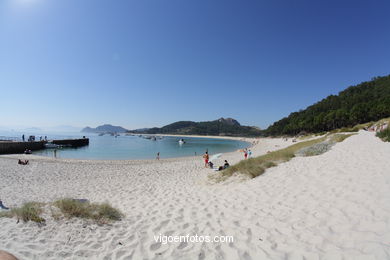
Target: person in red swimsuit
x=206 y=159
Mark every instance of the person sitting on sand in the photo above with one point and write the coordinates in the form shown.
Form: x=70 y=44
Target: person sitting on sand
x=211 y=165
x=23 y=162
x=226 y=165
x=2 y=205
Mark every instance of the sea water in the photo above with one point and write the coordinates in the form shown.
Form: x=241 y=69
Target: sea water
x=126 y=147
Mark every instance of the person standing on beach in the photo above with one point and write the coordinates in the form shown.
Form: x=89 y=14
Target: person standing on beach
x=23 y=138
x=206 y=159
x=249 y=153
x=158 y=156
x=245 y=154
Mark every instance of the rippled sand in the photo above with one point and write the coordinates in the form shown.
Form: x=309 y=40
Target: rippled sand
x=332 y=206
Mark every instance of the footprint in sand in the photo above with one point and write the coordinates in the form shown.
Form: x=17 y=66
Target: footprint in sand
x=162 y=224
x=186 y=225
x=182 y=245
x=155 y=246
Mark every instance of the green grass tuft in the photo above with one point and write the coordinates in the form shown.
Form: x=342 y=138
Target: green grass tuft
x=384 y=135
x=99 y=212
x=30 y=211
x=340 y=137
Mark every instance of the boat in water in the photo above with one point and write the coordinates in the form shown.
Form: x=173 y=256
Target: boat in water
x=52 y=146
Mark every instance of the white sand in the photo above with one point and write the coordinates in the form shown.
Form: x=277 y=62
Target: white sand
x=332 y=206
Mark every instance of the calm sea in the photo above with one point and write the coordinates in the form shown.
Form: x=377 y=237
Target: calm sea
x=133 y=147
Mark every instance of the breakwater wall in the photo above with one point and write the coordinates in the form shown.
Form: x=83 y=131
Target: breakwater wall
x=72 y=142
x=9 y=147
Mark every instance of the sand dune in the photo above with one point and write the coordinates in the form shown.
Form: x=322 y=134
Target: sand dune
x=332 y=206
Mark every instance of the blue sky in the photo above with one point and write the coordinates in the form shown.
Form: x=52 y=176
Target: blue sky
x=152 y=62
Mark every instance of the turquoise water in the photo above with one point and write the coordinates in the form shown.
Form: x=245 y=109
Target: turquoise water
x=133 y=147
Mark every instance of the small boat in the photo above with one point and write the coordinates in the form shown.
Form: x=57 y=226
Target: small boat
x=52 y=146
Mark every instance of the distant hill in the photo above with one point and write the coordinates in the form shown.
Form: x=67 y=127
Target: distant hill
x=63 y=128
x=104 y=129
x=221 y=127
x=368 y=101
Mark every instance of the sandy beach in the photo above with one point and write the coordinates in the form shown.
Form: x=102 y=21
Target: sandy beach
x=332 y=206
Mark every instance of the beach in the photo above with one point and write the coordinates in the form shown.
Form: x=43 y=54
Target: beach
x=332 y=206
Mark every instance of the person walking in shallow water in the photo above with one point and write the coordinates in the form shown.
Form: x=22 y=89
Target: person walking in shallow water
x=158 y=156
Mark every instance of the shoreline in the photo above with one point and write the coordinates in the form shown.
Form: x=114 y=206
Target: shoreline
x=248 y=140
x=336 y=201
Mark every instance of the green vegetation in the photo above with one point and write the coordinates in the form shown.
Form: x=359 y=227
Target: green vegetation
x=222 y=127
x=99 y=212
x=323 y=147
x=30 y=211
x=384 y=135
x=368 y=101
x=256 y=166
x=338 y=138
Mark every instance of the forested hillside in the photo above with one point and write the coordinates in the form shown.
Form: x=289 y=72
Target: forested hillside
x=222 y=127
x=368 y=101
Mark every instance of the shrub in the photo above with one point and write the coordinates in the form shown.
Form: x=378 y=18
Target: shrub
x=384 y=135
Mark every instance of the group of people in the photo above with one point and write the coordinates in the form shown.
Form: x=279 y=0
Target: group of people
x=210 y=164
x=31 y=138
x=247 y=153
x=377 y=127
x=23 y=162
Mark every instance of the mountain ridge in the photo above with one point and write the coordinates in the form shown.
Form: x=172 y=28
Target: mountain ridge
x=104 y=128
x=221 y=127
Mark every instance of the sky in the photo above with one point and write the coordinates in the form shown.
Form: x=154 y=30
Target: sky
x=144 y=63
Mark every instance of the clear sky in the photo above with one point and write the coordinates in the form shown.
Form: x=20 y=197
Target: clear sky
x=143 y=63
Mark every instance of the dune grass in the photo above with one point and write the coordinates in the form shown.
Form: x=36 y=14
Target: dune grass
x=340 y=137
x=100 y=212
x=30 y=211
x=384 y=135
x=254 y=167
x=323 y=147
